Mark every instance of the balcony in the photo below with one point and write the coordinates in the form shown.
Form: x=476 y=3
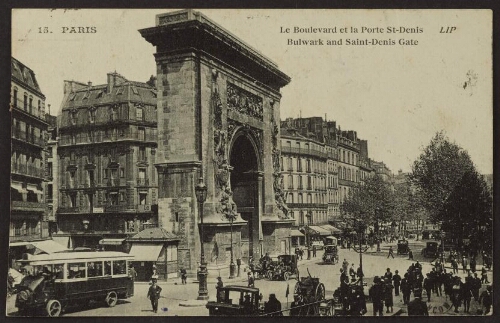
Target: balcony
x=113 y=182
x=116 y=208
x=308 y=152
x=28 y=206
x=73 y=209
x=142 y=181
x=19 y=106
x=25 y=137
x=27 y=170
x=307 y=205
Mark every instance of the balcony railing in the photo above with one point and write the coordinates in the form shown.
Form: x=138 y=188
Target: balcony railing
x=27 y=170
x=307 y=205
x=143 y=181
x=115 y=208
x=144 y=208
x=97 y=137
x=19 y=105
x=300 y=151
x=73 y=209
x=28 y=206
x=26 y=137
x=113 y=182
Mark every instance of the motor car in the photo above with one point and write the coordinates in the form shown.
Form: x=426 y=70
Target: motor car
x=233 y=302
x=431 y=250
x=403 y=247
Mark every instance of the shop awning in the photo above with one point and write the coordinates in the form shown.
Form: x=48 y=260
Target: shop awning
x=296 y=233
x=319 y=230
x=146 y=252
x=18 y=187
x=19 y=244
x=331 y=228
x=48 y=246
x=111 y=242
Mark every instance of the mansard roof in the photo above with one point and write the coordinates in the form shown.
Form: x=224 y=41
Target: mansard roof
x=25 y=76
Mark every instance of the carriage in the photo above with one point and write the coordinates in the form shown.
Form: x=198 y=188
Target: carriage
x=331 y=256
x=284 y=268
x=403 y=247
x=309 y=298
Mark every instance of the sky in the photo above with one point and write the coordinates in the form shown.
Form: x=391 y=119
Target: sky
x=395 y=96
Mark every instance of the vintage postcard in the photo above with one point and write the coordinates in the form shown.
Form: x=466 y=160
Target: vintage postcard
x=251 y=162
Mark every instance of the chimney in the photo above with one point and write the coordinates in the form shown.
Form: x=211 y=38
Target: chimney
x=111 y=82
x=90 y=84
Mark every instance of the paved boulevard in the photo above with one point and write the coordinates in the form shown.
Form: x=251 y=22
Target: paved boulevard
x=373 y=264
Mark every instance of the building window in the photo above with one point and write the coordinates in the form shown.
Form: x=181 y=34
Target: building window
x=301 y=218
x=301 y=199
x=139 y=113
x=122 y=172
x=299 y=164
x=31 y=106
x=282 y=164
x=114 y=113
x=15 y=98
x=142 y=153
x=113 y=198
x=72 y=200
x=300 y=182
x=290 y=181
x=309 y=183
x=92 y=115
x=142 y=134
x=142 y=198
x=290 y=165
x=73 y=117
x=308 y=165
x=25 y=102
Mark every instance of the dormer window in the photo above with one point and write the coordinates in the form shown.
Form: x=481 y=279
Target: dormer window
x=73 y=116
x=92 y=115
x=114 y=113
x=99 y=94
x=119 y=91
x=139 y=113
x=86 y=95
x=134 y=89
x=72 y=97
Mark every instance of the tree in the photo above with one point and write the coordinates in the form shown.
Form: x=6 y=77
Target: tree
x=437 y=171
x=370 y=203
x=454 y=192
x=408 y=204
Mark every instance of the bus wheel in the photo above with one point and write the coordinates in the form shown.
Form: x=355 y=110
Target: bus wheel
x=53 y=308
x=111 y=299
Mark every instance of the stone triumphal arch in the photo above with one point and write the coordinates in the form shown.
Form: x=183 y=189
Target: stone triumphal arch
x=218 y=118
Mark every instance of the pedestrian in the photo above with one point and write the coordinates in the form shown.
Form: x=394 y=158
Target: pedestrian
x=376 y=293
x=183 y=276
x=220 y=292
x=352 y=272
x=406 y=289
x=464 y=264
x=132 y=273
x=359 y=272
x=473 y=264
x=428 y=284
x=345 y=266
x=417 y=307
x=314 y=251
x=476 y=286
x=396 y=279
x=357 y=302
x=154 y=294
x=456 y=293
x=467 y=292
x=388 y=274
x=389 y=301
x=454 y=265
x=251 y=281
x=486 y=299
x=484 y=276
x=410 y=254
x=391 y=253
x=154 y=276
x=273 y=305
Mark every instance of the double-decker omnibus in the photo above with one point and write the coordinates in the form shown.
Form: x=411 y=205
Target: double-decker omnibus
x=67 y=278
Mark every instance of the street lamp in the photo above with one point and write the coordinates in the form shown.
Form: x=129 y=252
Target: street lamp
x=377 y=210
x=232 y=267
x=201 y=196
x=308 y=216
x=442 y=235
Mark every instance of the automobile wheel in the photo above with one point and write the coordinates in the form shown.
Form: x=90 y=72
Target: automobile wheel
x=111 y=299
x=286 y=276
x=53 y=308
x=269 y=275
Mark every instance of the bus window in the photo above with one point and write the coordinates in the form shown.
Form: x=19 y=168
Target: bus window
x=107 y=268
x=58 y=271
x=94 y=269
x=119 y=267
x=76 y=270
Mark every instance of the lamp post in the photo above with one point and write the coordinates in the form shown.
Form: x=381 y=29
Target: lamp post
x=308 y=216
x=201 y=195
x=442 y=235
x=360 y=228
x=232 y=267
x=377 y=210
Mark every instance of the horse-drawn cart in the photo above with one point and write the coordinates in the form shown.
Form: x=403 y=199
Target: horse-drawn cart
x=309 y=298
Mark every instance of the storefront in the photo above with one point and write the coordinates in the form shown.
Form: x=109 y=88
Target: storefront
x=154 y=248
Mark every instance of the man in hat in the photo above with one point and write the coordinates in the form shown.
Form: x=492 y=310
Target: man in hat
x=456 y=293
x=154 y=294
x=417 y=307
x=352 y=272
x=406 y=289
x=273 y=305
x=183 y=276
x=464 y=264
x=376 y=292
x=389 y=302
x=486 y=299
x=428 y=285
x=396 y=279
x=391 y=253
